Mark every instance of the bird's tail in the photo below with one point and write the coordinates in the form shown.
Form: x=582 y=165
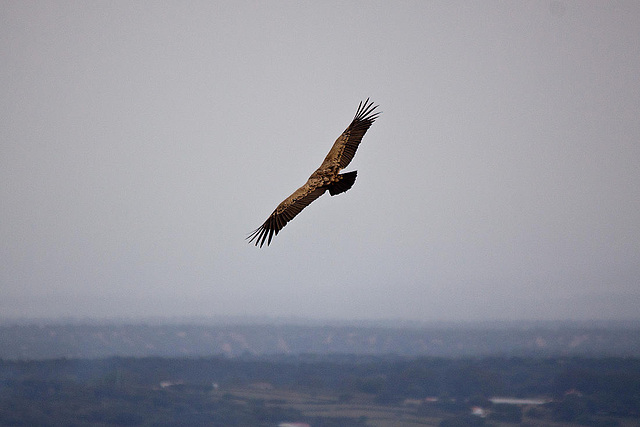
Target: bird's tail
x=345 y=182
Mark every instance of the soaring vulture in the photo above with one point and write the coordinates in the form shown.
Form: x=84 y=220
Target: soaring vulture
x=326 y=177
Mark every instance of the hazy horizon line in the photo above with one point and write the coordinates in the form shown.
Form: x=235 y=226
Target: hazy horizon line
x=265 y=320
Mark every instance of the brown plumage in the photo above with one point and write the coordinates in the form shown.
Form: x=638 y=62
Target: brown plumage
x=326 y=177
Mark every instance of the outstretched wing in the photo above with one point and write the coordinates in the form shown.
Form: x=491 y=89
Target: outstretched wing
x=346 y=145
x=326 y=176
x=285 y=212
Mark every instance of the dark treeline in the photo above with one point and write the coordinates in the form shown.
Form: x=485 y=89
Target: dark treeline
x=579 y=387
x=404 y=377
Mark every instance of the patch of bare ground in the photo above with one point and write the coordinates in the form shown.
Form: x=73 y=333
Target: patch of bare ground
x=363 y=406
x=328 y=405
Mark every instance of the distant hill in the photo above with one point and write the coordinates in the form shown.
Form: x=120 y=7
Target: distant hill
x=45 y=340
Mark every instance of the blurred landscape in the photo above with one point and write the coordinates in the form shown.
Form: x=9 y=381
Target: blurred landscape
x=31 y=339
x=257 y=372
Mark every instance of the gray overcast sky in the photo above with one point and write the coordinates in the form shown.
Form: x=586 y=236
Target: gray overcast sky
x=142 y=141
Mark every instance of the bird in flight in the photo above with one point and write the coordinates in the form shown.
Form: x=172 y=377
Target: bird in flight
x=326 y=177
